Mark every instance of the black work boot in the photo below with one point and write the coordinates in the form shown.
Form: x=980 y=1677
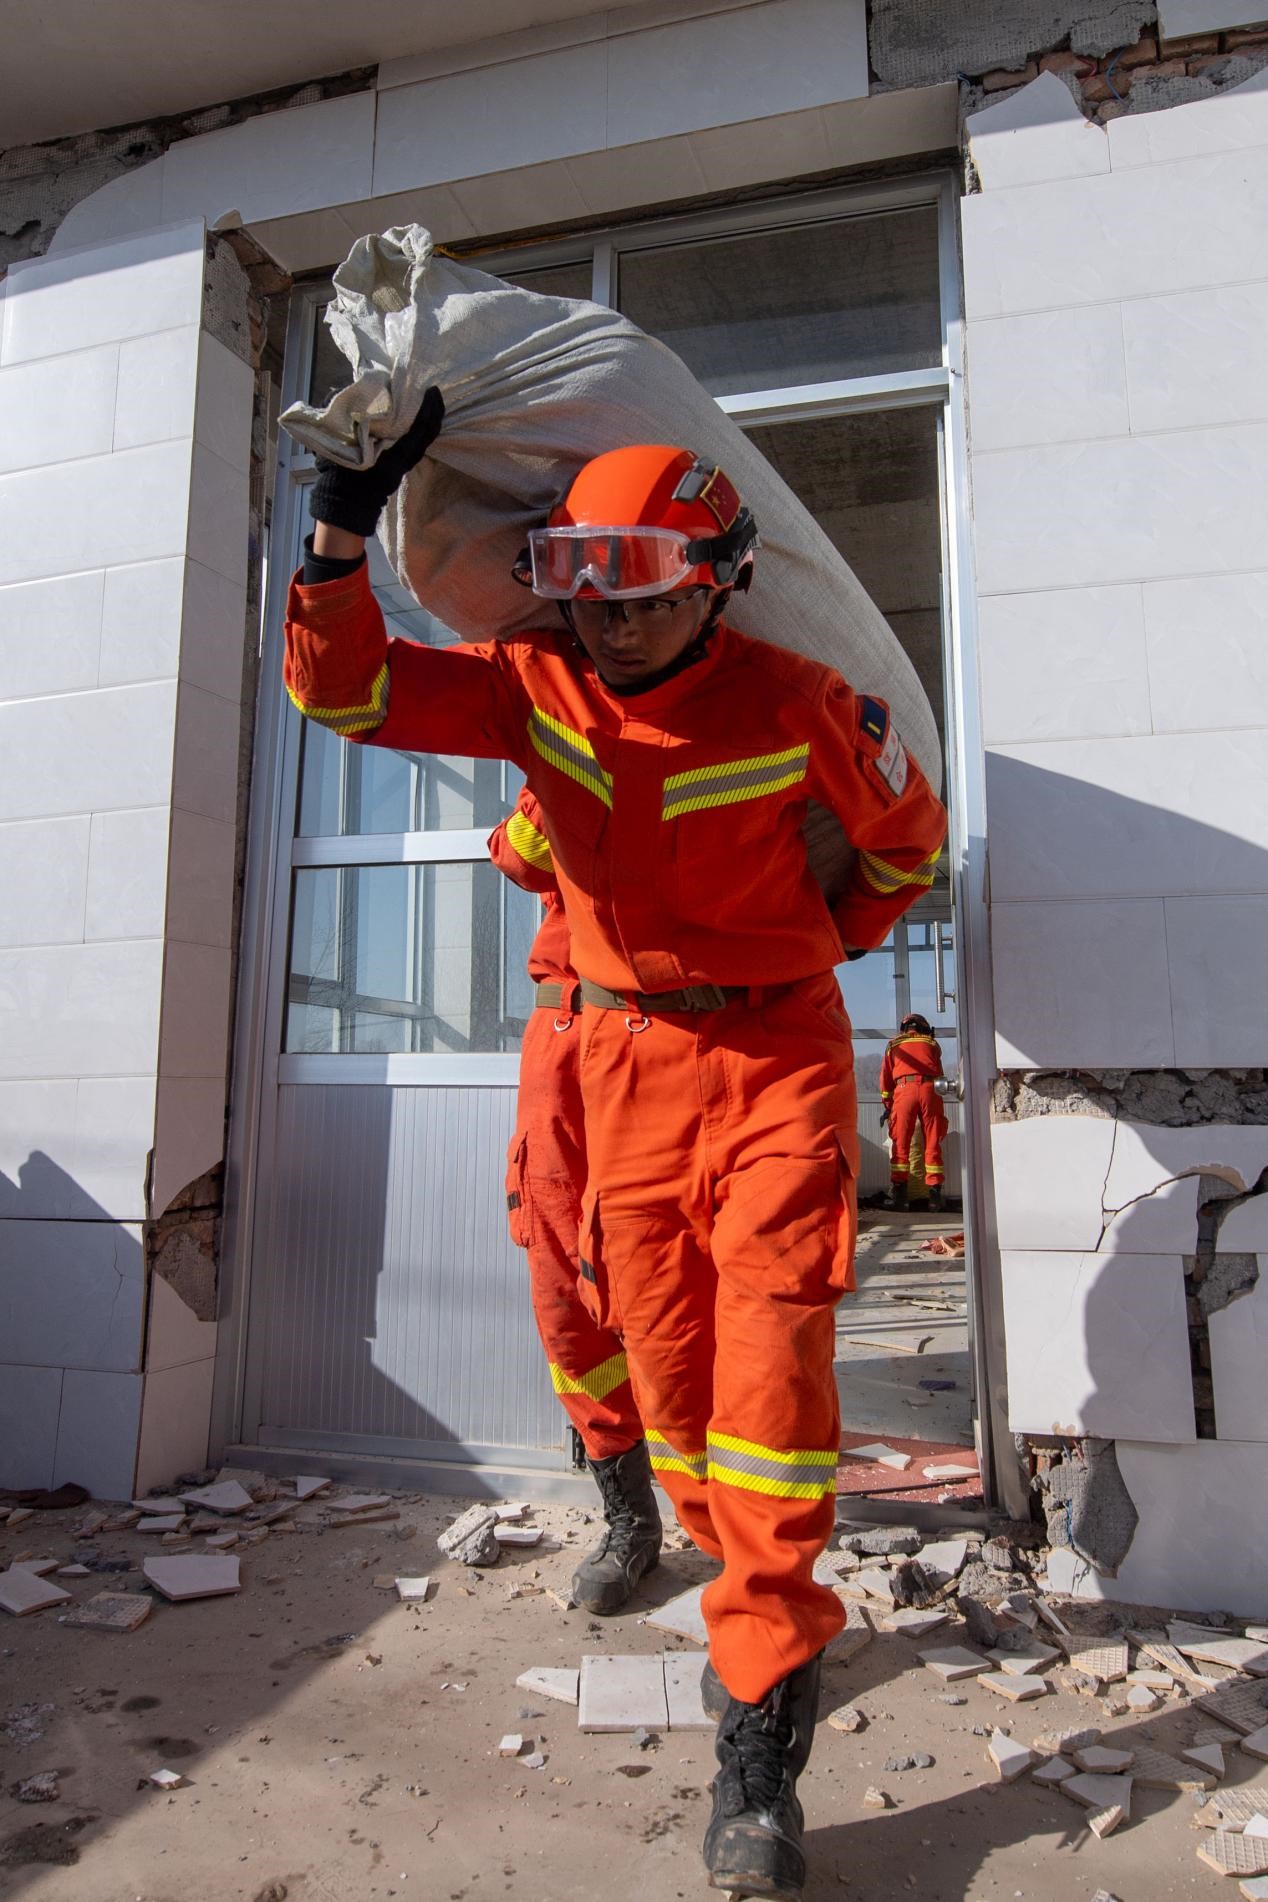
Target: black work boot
x=935 y=1198
x=631 y=1545
x=898 y=1195
x=753 y=1843
x=713 y=1692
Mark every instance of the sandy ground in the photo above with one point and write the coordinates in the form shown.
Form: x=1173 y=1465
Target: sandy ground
x=339 y=1746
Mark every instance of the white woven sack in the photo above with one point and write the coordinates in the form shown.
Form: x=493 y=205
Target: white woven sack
x=533 y=387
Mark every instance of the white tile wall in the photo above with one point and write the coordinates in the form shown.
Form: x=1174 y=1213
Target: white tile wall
x=71 y=1295
x=1216 y=948
x=1141 y=233
x=174 y=1335
x=1034 y=135
x=1230 y=122
x=74 y=1150
x=214 y=633
x=50 y=634
x=157 y=379
x=141 y=621
x=1070 y=663
x=114 y=1130
x=200 y=879
x=43 y=874
x=1207 y=641
x=1202 y=1541
x=97 y=1432
x=190 y=1133
x=131 y=287
x=174 y=1418
x=113 y=750
x=1199 y=358
x=1167 y=813
x=59 y=410
x=788 y=144
x=1049 y=1172
x=1082 y=982
x=1155 y=1221
x=195 y=1035
x=226 y=396
x=118 y=209
x=503 y=201
x=132 y=506
x=1239 y=1354
x=280 y=162
x=127 y=874
x=219 y=514
x=30 y=1401
x=80 y=1010
x=205 y=772
x=1072 y=515
x=1147 y=1154
x=1048 y=377
x=1097 y=1344
x=37 y=1121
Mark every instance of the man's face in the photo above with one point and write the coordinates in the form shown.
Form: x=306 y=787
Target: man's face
x=629 y=641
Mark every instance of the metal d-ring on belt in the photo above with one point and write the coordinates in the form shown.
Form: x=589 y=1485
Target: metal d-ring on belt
x=695 y=997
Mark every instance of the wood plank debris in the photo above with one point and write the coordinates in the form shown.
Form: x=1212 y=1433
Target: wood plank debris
x=198 y=1575
x=548 y=1680
x=225 y=1496
x=1233 y=1853
x=683 y=1672
x=622 y=1693
x=682 y=1616
x=22 y=1592
x=112 y=1611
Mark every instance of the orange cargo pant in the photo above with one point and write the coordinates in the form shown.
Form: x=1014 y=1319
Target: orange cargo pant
x=917 y=1101
x=546 y=1174
x=717 y=1236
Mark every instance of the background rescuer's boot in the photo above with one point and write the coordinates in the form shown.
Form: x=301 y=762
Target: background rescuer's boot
x=631 y=1545
x=753 y=1843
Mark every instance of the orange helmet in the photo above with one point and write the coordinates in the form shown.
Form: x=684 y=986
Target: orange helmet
x=641 y=521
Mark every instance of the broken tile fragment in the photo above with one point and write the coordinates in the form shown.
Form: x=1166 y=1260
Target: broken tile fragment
x=1156 y=1770
x=1234 y=1854
x=73 y=1571
x=412 y=1591
x=848 y=1718
x=1256 y=1744
x=1233 y=1809
x=1257 y=1826
x=1011 y=1759
x=1099 y=1792
x=1151 y=1680
x=1141 y=1698
x=200 y=1575
x=22 y=1592
x=167 y=1779
x=953 y=1662
x=852 y=1638
x=306 y=1484
x=470 y=1539
x=1254 y=1888
x=512 y=1745
x=1215 y=1647
x=222 y=1541
x=112 y=1611
x=943 y=1559
x=882 y=1454
x=1105 y=1822
x=683 y=1697
x=511 y=1535
x=1054 y=1770
x=682 y=1616
x=1206 y=1757
x=1017 y=1690
x=1107 y=1659
x=164 y=1522
x=226 y=1496
x=952 y=1470
x=550 y=1681
x=914 y=1624
x=1240 y=1706
x=876 y=1799
x=373 y=1502
x=1103 y=1759
x=41 y=1567
x=1024 y=1663
x=513 y=1509
x=1067 y=1740
x=160 y=1505
x=621 y=1693
x=43 y=1787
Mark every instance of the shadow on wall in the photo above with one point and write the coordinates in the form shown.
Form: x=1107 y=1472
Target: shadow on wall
x=1132 y=1308
x=71 y=1329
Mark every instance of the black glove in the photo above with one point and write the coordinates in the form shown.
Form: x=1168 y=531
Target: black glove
x=353 y=499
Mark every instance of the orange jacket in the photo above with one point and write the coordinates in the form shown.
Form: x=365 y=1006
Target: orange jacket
x=674 y=815
x=913 y=1054
x=521 y=851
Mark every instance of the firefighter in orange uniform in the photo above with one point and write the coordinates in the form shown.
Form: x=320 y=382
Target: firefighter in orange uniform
x=545 y=1180
x=912 y=1061
x=673 y=759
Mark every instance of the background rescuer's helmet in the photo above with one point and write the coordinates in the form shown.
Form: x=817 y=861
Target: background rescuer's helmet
x=641 y=521
x=914 y=1021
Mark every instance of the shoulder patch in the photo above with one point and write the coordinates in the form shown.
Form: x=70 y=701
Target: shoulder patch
x=873 y=718
x=891 y=763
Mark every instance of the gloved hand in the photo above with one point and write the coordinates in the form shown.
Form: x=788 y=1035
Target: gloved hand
x=353 y=499
x=884 y=1115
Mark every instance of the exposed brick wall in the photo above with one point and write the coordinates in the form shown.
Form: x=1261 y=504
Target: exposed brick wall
x=1150 y=74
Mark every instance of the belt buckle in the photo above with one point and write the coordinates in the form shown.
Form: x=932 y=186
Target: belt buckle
x=706 y=997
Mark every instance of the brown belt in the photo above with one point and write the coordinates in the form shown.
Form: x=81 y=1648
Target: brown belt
x=694 y=997
x=558 y=996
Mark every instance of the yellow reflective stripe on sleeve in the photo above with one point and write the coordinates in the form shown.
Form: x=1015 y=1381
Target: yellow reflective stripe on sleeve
x=888 y=879
x=667 y=1459
x=730 y=781
x=597 y=1384
x=350 y=719
x=569 y=752
x=532 y=846
x=804 y=1473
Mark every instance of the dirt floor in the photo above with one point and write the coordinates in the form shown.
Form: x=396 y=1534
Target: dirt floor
x=338 y=1745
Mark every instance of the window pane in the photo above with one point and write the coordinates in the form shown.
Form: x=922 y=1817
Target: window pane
x=330 y=369
x=388 y=958
x=867 y=985
x=857 y=297
x=871 y=483
x=923 y=972
x=355 y=790
x=553 y=280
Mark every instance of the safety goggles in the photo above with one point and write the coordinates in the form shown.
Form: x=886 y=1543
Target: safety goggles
x=620 y=563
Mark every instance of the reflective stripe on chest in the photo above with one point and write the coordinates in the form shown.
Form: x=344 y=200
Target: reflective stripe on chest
x=570 y=752
x=733 y=780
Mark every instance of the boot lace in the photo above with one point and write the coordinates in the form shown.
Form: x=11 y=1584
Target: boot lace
x=758 y=1741
x=622 y=1520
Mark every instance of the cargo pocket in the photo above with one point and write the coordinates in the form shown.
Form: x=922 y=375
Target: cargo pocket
x=593 y=1278
x=519 y=1205
x=847 y=1219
